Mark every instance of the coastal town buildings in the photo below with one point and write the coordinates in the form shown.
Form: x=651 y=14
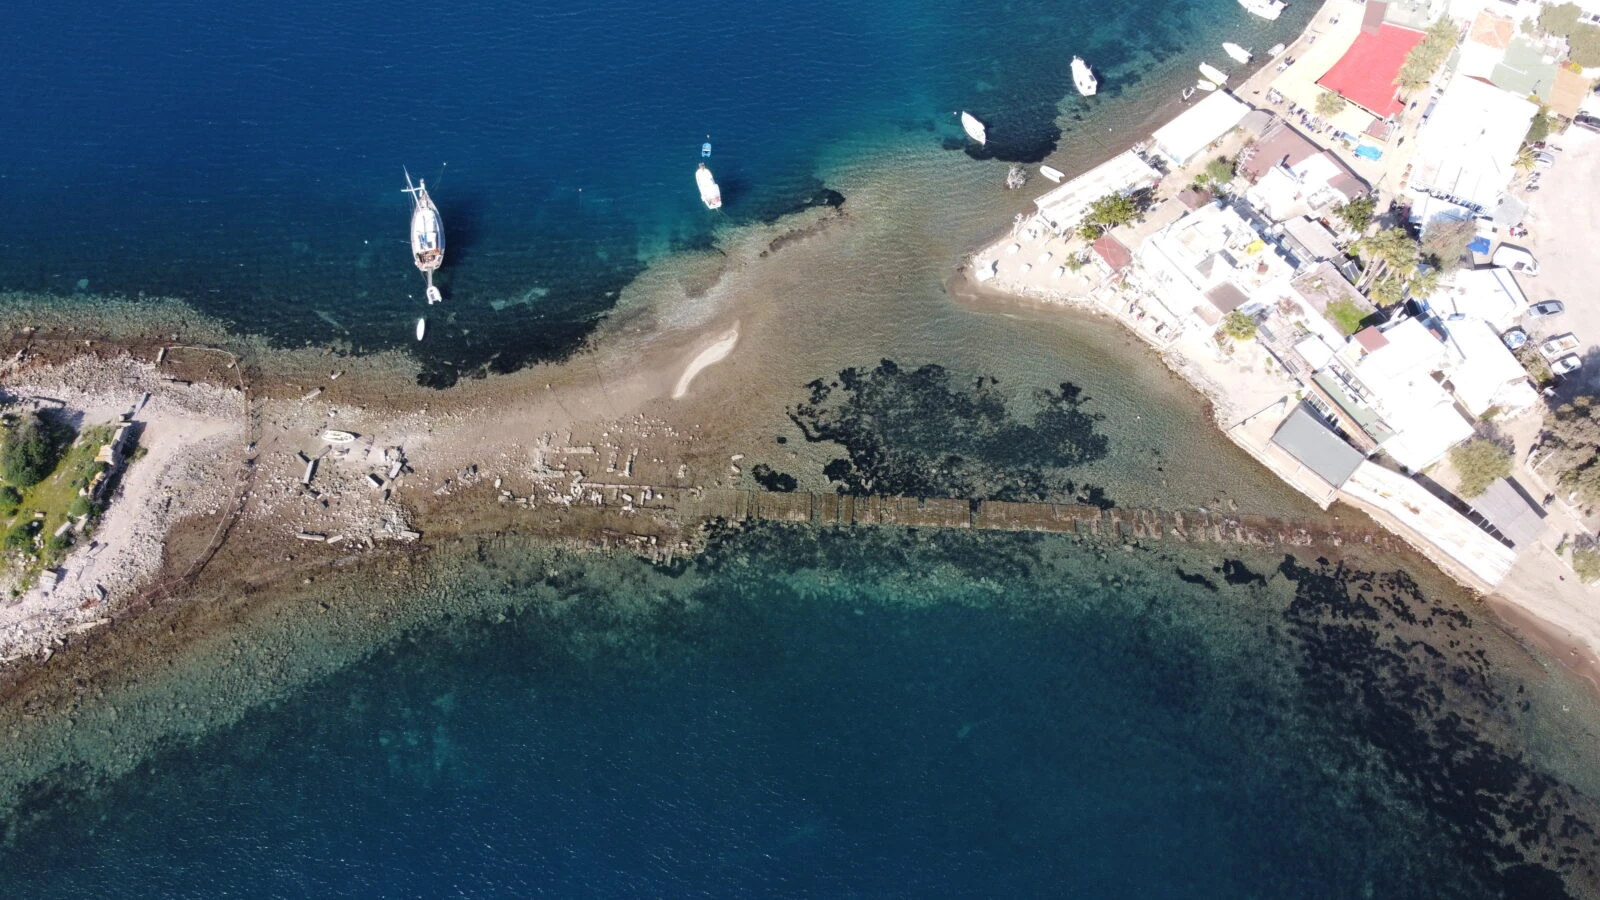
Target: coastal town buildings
x=1290 y=175
x=1062 y=208
x=1197 y=127
x=1211 y=262
x=1467 y=150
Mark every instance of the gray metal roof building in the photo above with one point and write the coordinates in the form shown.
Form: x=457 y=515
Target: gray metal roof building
x=1512 y=512
x=1304 y=437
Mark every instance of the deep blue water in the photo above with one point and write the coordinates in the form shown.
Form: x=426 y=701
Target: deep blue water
x=247 y=157
x=877 y=714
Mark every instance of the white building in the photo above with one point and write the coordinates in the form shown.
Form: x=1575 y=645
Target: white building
x=1198 y=126
x=1484 y=374
x=1210 y=263
x=1466 y=150
x=1396 y=368
x=1063 y=207
x=1490 y=294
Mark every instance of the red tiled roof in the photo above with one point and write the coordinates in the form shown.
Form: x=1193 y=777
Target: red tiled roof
x=1371 y=338
x=1365 y=74
x=1114 y=253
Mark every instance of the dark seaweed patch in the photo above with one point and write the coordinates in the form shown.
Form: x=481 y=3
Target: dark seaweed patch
x=920 y=433
x=1236 y=573
x=1370 y=660
x=773 y=480
x=1200 y=580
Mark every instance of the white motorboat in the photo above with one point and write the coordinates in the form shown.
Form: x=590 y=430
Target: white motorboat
x=705 y=149
x=710 y=194
x=974 y=128
x=1276 y=51
x=1266 y=9
x=427 y=233
x=334 y=436
x=422 y=328
x=1083 y=77
x=1052 y=174
x=1214 y=73
x=1235 y=52
x=1205 y=85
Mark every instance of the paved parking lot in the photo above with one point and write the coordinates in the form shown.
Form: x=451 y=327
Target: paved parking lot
x=1564 y=223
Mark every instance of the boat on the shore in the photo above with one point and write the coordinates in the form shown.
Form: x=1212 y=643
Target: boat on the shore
x=1235 y=52
x=1215 y=74
x=427 y=233
x=422 y=328
x=710 y=194
x=974 y=128
x=1276 y=51
x=1051 y=173
x=1083 y=77
x=1205 y=85
x=334 y=436
x=1266 y=9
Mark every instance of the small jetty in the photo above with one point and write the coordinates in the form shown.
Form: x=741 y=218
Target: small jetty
x=974 y=128
x=710 y=194
x=427 y=234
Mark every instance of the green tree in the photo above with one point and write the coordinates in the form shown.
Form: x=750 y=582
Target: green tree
x=1330 y=104
x=1357 y=214
x=29 y=452
x=1107 y=213
x=1583 y=40
x=10 y=500
x=1388 y=252
x=1444 y=242
x=1387 y=291
x=1219 y=171
x=1423 y=284
x=1539 y=128
x=1426 y=57
x=1239 y=326
x=1479 y=463
x=1571 y=443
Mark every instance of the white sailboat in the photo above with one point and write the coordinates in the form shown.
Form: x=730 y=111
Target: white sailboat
x=1266 y=9
x=974 y=128
x=1237 y=53
x=427 y=234
x=1214 y=73
x=710 y=194
x=1083 y=77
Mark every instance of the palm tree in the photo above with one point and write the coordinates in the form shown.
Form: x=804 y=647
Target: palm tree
x=1525 y=159
x=1424 y=283
x=1389 y=250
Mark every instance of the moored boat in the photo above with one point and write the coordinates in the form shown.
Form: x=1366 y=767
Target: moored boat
x=1083 y=77
x=1266 y=9
x=974 y=128
x=1051 y=173
x=427 y=233
x=710 y=194
x=334 y=436
x=705 y=149
x=422 y=328
x=1205 y=85
x=1235 y=52
x=1214 y=73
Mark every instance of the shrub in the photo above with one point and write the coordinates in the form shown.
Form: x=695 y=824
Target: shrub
x=1346 y=316
x=1219 y=170
x=10 y=499
x=1357 y=214
x=79 y=507
x=1239 y=326
x=1329 y=104
x=21 y=537
x=1538 y=368
x=29 y=453
x=1586 y=562
x=1479 y=463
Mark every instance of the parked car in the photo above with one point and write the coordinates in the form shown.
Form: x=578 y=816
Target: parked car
x=1514 y=339
x=1587 y=121
x=1559 y=346
x=1566 y=364
x=1547 y=308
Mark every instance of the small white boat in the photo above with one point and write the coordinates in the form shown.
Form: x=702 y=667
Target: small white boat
x=1276 y=51
x=710 y=194
x=705 y=149
x=1052 y=174
x=433 y=294
x=337 y=437
x=1083 y=77
x=1266 y=9
x=974 y=128
x=422 y=328
x=1214 y=73
x=1235 y=52
x=1189 y=92
x=1205 y=85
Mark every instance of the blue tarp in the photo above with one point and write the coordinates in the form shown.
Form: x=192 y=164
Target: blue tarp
x=1479 y=246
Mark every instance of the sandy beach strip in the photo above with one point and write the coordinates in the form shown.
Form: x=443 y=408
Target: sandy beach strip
x=710 y=356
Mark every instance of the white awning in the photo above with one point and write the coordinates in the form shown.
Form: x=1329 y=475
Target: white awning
x=1195 y=129
x=1063 y=207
